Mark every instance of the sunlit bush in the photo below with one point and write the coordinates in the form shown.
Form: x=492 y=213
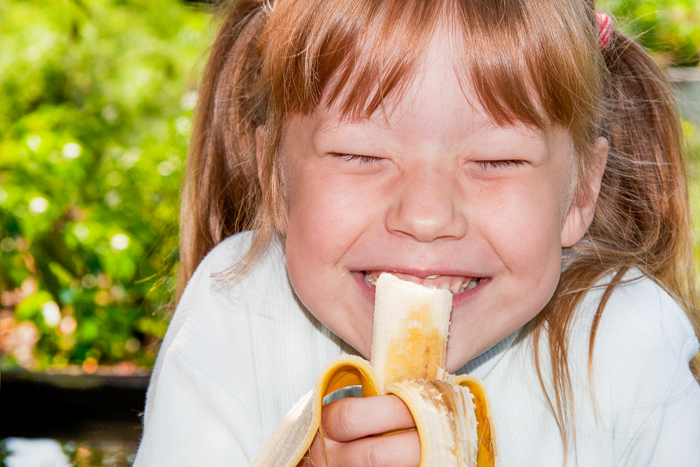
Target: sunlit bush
x=95 y=105
x=670 y=29
x=96 y=98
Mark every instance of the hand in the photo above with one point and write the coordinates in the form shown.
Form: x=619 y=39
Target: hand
x=348 y=426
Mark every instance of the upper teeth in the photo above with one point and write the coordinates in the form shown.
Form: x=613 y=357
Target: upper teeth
x=453 y=285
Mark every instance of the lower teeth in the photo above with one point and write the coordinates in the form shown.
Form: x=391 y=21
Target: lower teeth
x=469 y=285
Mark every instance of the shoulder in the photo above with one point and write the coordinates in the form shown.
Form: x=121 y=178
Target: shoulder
x=207 y=281
x=213 y=316
x=248 y=332
x=641 y=351
x=646 y=397
x=224 y=256
x=639 y=317
x=216 y=280
x=217 y=298
x=228 y=252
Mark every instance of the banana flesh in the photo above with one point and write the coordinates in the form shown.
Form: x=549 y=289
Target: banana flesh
x=410 y=330
x=452 y=413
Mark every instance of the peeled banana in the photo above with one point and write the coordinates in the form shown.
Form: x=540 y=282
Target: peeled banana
x=409 y=338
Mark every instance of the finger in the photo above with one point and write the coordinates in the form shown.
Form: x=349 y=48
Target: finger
x=353 y=418
x=317 y=456
x=399 y=450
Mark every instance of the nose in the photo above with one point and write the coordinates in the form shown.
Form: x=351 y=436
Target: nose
x=427 y=207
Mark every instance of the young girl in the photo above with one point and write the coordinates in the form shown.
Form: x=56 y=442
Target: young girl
x=518 y=152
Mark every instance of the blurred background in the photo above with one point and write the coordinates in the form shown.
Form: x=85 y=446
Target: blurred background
x=96 y=100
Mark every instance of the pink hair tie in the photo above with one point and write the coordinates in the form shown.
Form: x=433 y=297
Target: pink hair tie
x=605 y=29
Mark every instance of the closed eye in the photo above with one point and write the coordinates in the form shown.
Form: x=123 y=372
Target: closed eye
x=502 y=164
x=362 y=160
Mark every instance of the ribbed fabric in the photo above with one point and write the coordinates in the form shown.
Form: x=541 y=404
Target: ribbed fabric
x=238 y=355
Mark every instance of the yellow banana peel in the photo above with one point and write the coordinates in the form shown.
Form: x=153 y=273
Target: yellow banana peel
x=452 y=413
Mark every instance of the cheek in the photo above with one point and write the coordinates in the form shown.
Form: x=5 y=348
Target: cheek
x=523 y=223
x=327 y=221
x=326 y=217
x=525 y=234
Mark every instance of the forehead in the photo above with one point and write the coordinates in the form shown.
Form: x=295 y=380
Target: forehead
x=504 y=50
x=436 y=100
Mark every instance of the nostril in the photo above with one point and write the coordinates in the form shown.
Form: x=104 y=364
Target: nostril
x=427 y=221
x=427 y=205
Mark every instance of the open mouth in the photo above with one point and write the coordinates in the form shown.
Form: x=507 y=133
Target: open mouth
x=455 y=284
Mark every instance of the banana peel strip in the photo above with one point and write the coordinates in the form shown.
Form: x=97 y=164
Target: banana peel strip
x=295 y=434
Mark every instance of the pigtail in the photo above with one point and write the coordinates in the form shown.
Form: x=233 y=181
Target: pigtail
x=645 y=199
x=642 y=214
x=221 y=189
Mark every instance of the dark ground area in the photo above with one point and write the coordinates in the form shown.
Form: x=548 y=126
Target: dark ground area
x=72 y=407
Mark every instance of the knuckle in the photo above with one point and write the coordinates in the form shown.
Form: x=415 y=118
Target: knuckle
x=337 y=420
x=344 y=420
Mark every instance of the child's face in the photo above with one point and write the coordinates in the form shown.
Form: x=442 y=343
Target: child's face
x=436 y=190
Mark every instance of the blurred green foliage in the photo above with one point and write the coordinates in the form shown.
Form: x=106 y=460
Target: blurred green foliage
x=670 y=29
x=96 y=98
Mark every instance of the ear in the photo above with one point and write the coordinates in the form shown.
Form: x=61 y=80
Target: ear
x=580 y=214
x=259 y=152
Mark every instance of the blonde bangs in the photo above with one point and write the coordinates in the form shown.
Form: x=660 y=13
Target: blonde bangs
x=370 y=47
x=527 y=62
x=530 y=63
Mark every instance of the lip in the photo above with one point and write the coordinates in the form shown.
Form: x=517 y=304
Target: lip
x=457 y=299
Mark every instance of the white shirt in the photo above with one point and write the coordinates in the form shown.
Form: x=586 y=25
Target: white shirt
x=239 y=354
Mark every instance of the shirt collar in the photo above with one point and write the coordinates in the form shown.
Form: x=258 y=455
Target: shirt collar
x=481 y=365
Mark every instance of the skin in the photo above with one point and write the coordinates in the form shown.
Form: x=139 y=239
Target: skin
x=430 y=187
